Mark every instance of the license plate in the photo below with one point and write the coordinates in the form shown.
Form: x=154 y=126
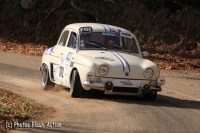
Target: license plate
x=126 y=83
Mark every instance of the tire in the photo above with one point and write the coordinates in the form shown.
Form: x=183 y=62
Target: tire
x=151 y=96
x=76 y=87
x=45 y=80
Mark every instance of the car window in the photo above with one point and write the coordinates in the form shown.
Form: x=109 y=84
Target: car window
x=109 y=41
x=129 y=44
x=96 y=40
x=63 y=38
x=72 y=40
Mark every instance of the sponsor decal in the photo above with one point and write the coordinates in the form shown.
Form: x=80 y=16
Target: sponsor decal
x=69 y=56
x=49 y=51
x=55 y=69
x=118 y=30
x=85 y=29
x=108 y=34
x=105 y=58
x=112 y=30
x=61 y=71
x=126 y=83
x=122 y=33
x=62 y=61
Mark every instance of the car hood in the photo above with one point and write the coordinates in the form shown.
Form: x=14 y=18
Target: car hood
x=120 y=64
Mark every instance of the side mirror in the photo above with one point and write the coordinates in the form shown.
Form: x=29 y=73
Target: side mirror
x=145 y=53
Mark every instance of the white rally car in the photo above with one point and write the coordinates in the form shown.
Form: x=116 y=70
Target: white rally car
x=101 y=57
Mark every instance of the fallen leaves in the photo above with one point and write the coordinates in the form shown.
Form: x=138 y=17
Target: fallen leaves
x=165 y=57
x=15 y=108
x=29 y=48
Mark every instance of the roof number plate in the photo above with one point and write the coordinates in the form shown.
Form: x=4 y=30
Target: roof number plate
x=85 y=29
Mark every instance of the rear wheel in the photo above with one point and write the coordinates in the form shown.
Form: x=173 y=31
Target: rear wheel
x=76 y=87
x=45 y=80
x=150 y=96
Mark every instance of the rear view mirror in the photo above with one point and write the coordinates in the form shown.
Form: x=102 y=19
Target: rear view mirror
x=145 y=53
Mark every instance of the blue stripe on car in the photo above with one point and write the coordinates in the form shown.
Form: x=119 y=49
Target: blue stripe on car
x=125 y=61
x=109 y=28
x=120 y=61
x=104 y=28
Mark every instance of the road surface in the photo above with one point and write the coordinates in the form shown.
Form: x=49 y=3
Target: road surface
x=176 y=109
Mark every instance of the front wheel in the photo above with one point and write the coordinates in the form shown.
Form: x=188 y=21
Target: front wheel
x=150 y=96
x=76 y=87
x=45 y=80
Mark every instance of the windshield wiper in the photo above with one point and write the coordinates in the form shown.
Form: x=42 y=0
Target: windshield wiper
x=96 y=45
x=127 y=51
x=115 y=46
x=120 y=48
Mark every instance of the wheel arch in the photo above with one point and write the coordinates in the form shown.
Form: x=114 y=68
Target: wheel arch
x=49 y=68
x=71 y=74
x=48 y=84
x=82 y=75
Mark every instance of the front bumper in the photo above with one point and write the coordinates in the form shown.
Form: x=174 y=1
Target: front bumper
x=94 y=84
x=120 y=90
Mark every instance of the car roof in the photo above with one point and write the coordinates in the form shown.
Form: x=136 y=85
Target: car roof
x=96 y=27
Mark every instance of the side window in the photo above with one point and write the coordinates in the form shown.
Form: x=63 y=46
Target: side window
x=130 y=45
x=63 y=38
x=72 y=40
x=133 y=46
x=125 y=43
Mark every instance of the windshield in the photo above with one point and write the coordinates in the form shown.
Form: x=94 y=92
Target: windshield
x=107 y=41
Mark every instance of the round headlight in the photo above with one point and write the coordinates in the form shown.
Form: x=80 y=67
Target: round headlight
x=103 y=70
x=148 y=73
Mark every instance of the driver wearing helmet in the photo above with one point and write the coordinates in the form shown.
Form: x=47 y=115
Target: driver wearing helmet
x=110 y=42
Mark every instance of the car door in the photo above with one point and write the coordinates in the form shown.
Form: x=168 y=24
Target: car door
x=64 y=54
x=58 y=49
x=71 y=48
x=58 y=56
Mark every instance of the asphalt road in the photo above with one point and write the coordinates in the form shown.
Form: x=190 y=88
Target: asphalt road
x=176 y=109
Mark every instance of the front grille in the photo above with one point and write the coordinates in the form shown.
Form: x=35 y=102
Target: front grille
x=125 y=89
